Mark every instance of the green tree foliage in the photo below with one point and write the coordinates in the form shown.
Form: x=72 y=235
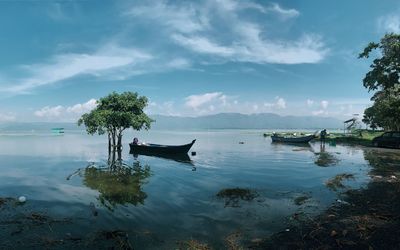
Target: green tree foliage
x=384 y=80
x=115 y=113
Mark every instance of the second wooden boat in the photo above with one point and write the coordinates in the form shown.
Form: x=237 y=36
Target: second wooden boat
x=292 y=139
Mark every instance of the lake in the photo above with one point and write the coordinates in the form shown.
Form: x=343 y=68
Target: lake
x=160 y=203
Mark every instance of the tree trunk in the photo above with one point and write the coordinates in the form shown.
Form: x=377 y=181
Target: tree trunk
x=113 y=138
x=109 y=143
x=119 y=146
x=119 y=151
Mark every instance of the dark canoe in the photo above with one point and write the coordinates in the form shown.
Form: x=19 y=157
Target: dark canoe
x=298 y=139
x=152 y=149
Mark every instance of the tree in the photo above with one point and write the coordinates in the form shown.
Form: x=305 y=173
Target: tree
x=384 y=80
x=115 y=113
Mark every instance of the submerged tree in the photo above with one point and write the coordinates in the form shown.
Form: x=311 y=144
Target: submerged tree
x=115 y=113
x=384 y=80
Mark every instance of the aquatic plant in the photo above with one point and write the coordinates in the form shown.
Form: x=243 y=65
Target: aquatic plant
x=336 y=182
x=300 y=200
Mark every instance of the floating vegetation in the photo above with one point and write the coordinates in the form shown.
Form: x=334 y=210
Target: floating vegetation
x=325 y=159
x=119 y=238
x=233 y=240
x=233 y=196
x=193 y=245
x=3 y=201
x=300 y=200
x=336 y=182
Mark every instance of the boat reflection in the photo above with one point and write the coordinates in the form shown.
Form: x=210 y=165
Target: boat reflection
x=117 y=182
x=183 y=158
x=294 y=146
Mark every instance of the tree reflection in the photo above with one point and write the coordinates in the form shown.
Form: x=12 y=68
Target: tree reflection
x=118 y=182
x=383 y=162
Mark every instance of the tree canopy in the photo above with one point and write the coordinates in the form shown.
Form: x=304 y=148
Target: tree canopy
x=115 y=113
x=384 y=80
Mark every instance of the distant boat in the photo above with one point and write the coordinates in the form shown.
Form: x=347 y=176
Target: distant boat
x=153 y=149
x=58 y=130
x=292 y=139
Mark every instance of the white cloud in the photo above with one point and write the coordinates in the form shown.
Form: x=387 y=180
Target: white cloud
x=324 y=104
x=390 y=23
x=309 y=102
x=319 y=112
x=287 y=13
x=184 y=18
x=196 y=101
x=279 y=103
x=202 y=45
x=62 y=113
x=7 y=117
x=65 y=66
x=82 y=108
x=178 y=63
x=190 y=26
x=49 y=112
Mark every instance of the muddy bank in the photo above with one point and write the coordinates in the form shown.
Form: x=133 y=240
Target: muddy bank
x=361 y=219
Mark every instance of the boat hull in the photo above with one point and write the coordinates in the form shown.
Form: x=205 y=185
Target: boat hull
x=152 y=149
x=303 y=139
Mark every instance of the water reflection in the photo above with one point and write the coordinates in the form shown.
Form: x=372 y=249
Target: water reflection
x=384 y=162
x=183 y=158
x=117 y=181
x=324 y=158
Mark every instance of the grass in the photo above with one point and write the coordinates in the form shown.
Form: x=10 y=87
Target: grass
x=358 y=137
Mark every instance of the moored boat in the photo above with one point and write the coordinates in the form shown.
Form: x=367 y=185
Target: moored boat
x=150 y=148
x=292 y=139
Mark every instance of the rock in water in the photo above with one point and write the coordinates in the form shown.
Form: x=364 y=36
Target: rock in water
x=22 y=199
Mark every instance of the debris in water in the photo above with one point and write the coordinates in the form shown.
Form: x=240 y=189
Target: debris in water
x=22 y=199
x=343 y=202
x=193 y=245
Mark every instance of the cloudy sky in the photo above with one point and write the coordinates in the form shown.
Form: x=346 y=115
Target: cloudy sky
x=189 y=58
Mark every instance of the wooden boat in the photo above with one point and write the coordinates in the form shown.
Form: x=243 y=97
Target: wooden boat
x=160 y=149
x=292 y=139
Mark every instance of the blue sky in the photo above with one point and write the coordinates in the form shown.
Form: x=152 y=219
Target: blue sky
x=189 y=58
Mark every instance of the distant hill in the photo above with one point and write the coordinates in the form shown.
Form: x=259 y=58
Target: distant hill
x=243 y=121
x=218 y=121
x=37 y=126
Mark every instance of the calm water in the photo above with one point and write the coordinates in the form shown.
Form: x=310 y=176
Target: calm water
x=161 y=201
